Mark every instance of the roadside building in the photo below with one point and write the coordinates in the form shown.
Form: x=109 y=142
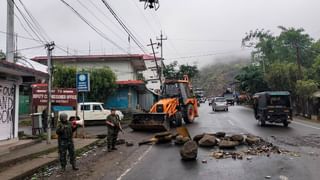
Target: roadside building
x=128 y=69
x=151 y=75
x=13 y=76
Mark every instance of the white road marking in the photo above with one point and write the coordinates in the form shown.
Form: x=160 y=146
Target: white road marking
x=232 y=124
x=135 y=163
x=306 y=125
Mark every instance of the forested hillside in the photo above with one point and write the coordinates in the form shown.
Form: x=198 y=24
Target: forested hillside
x=215 y=78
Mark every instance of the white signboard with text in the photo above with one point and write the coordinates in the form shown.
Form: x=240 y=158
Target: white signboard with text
x=7 y=110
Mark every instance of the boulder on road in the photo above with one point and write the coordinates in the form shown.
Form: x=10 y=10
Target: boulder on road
x=189 y=151
x=225 y=144
x=252 y=140
x=197 y=138
x=220 y=134
x=208 y=141
x=237 y=137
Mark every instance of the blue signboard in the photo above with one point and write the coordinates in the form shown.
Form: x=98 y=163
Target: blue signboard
x=83 y=82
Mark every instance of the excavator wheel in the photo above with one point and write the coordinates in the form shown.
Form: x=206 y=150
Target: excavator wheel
x=178 y=119
x=189 y=114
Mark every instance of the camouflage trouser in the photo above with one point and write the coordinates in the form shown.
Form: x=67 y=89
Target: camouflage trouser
x=112 y=137
x=65 y=146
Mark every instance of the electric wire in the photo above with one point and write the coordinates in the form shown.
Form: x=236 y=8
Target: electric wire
x=98 y=19
x=131 y=35
x=92 y=26
x=35 y=22
x=29 y=24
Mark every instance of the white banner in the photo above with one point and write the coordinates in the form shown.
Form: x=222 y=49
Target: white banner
x=7 y=110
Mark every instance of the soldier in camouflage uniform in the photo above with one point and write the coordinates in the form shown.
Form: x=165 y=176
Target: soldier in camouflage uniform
x=65 y=131
x=114 y=126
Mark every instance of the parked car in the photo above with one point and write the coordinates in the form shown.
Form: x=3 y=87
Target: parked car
x=273 y=107
x=219 y=104
x=229 y=98
x=92 y=111
x=202 y=100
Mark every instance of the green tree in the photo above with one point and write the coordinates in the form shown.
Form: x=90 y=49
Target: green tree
x=292 y=45
x=282 y=76
x=191 y=71
x=251 y=79
x=298 y=44
x=64 y=76
x=305 y=88
x=102 y=81
x=314 y=73
x=172 y=71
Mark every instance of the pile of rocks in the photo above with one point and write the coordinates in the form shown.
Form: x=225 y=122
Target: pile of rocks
x=254 y=145
x=222 y=141
x=227 y=145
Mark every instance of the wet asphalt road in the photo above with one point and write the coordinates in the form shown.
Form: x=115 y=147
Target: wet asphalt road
x=163 y=161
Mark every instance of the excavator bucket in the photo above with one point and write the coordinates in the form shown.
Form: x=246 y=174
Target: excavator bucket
x=183 y=131
x=150 y=122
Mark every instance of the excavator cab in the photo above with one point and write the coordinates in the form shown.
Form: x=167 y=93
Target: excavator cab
x=177 y=103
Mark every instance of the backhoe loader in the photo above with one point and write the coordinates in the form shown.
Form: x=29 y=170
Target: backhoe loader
x=177 y=103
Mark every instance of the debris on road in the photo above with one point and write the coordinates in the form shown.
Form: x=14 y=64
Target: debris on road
x=204 y=161
x=189 y=151
x=237 y=137
x=238 y=146
x=252 y=140
x=129 y=143
x=197 y=138
x=220 y=134
x=149 y=141
x=162 y=135
x=226 y=144
x=218 y=155
x=267 y=177
x=207 y=141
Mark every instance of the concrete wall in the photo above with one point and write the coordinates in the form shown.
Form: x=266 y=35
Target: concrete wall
x=150 y=74
x=9 y=109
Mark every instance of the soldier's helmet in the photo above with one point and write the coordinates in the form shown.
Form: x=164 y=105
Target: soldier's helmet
x=63 y=117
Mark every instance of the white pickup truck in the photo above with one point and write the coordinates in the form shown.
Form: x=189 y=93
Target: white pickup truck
x=92 y=111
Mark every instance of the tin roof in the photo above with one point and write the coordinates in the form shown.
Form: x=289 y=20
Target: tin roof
x=20 y=70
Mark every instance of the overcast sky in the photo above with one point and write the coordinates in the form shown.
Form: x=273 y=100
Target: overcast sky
x=197 y=30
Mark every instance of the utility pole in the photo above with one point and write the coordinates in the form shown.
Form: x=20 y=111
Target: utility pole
x=161 y=39
x=50 y=47
x=155 y=60
x=10 y=31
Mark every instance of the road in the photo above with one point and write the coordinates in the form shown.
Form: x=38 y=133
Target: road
x=162 y=162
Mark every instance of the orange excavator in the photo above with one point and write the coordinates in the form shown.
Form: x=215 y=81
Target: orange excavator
x=177 y=103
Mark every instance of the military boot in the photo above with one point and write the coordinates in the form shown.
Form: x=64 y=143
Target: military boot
x=74 y=167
